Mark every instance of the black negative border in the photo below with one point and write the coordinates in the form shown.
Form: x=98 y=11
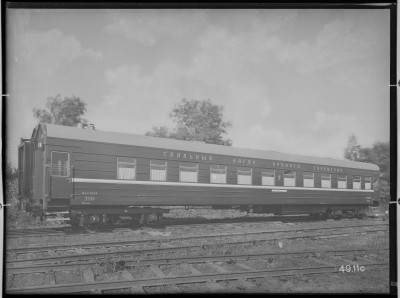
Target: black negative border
x=124 y=4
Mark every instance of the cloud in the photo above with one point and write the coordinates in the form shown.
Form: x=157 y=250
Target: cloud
x=140 y=101
x=145 y=26
x=94 y=54
x=233 y=67
x=325 y=124
x=222 y=55
x=223 y=63
x=143 y=100
x=327 y=136
x=340 y=49
x=247 y=102
x=43 y=53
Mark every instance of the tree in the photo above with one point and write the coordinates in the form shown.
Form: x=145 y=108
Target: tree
x=11 y=173
x=11 y=193
x=160 y=132
x=378 y=154
x=67 y=111
x=352 y=152
x=196 y=120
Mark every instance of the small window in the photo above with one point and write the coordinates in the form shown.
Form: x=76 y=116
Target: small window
x=356 y=182
x=244 y=175
x=326 y=180
x=158 y=170
x=342 y=181
x=126 y=168
x=59 y=164
x=268 y=177
x=217 y=174
x=188 y=172
x=368 y=182
x=308 y=179
x=289 y=178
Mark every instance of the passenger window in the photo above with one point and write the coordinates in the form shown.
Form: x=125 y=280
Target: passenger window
x=326 y=180
x=289 y=178
x=217 y=174
x=244 y=175
x=368 y=182
x=59 y=164
x=268 y=177
x=308 y=179
x=158 y=170
x=126 y=168
x=188 y=172
x=356 y=182
x=342 y=181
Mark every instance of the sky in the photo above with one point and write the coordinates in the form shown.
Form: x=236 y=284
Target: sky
x=295 y=81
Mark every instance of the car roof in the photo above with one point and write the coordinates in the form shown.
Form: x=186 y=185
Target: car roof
x=67 y=132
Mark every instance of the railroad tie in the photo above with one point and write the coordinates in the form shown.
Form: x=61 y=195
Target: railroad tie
x=218 y=268
x=375 y=256
x=245 y=283
x=88 y=275
x=96 y=292
x=137 y=290
x=167 y=245
x=157 y=271
x=192 y=269
x=323 y=262
x=344 y=260
x=127 y=275
x=214 y=286
x=244 y=266
x=368 y=261
x=52 y=278
x=173 y=289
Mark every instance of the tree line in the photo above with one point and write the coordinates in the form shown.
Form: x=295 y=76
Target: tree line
x=195 y=120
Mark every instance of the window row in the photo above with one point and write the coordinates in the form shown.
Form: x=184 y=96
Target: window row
x=188 y=172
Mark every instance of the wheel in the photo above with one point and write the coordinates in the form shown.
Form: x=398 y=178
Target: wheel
x=335 y=214
x=74 y=221
x=42 y=217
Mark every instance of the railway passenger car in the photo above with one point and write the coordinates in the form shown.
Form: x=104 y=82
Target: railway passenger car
x=99 y=176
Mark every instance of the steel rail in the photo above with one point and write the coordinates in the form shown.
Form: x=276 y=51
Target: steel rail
x=88 y=256
x=55 y=231
x=9 y=237
x=39 y=230
x=126 y=284
x=170 y=222
x=281 y=219
x=133 y=242
x=41 y=268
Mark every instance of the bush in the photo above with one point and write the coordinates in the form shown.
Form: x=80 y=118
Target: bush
x=14 y=216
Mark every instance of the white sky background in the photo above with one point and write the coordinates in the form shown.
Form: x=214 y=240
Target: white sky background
x=296 y=81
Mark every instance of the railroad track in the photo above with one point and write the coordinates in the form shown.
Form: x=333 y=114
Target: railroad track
x=244 y=274
x=18 y=268
x=155 y=257
x=108 y=244
x=170 y=222
x=162 y=248
x=38 y=232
